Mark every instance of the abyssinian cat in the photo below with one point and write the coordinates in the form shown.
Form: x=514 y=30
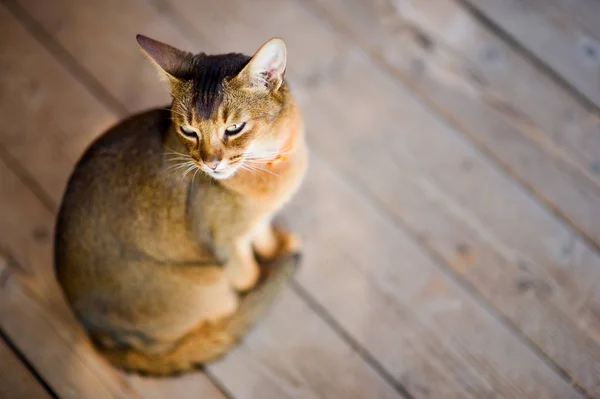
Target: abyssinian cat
x=165 y=215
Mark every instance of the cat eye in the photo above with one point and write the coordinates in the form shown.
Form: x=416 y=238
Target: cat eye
x=187 y=132
x=235 y=129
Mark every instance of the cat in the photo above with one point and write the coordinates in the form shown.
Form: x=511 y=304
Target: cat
x=165 y=215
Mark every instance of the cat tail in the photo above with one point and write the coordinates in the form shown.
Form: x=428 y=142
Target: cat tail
x=210 y=341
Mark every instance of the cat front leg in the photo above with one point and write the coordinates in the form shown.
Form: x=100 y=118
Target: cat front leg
x=270 y=242
x=241 y=268
x=265 y=241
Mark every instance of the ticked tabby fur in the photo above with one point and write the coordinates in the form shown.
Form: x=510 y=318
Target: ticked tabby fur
x=166 y=213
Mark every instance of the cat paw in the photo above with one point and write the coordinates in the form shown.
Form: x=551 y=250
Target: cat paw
x=242 y=279
x=279 y=243
x=287 y=243
x=290 y=243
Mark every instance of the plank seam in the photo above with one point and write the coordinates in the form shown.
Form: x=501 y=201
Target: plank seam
x=505 y=36
x=439 y=261
x=27 y=178
x=494 y=161
x=217 y=382
x=190 y=31
x=64 y=57
x=465 y=285
x=103 y=96
x=97 y=89
x=363 y=353
x=27 y=364
x=183 y=25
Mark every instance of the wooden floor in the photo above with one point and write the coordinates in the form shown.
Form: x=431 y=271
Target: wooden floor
x=451 y=213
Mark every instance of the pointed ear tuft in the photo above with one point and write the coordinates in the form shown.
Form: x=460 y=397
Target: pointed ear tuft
x=266 y=69
x=168 y=59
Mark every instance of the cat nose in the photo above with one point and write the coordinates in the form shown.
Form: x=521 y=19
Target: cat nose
x=212 y=163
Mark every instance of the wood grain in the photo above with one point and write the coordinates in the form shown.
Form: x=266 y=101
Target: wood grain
x=16 y=382
x=403 y=309
x=585 y=13
x=453 y=374
x=418 y=225
x=39 y=127
x=501 y=79
x=345 y=361
x=33 y=314
x=553 y=37
x=467 y=213
x=55 y=119
x=286 y=359
x=191 y=385
x=515 y=114
x=368 y=136
x=81 y=30
x=46 y=334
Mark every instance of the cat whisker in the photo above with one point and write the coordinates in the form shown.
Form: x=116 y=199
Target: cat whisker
x=264 y=157
x=179 y=166
x=262 y=154
x=260 y=168
x=176 y=165
x=176 y=155
x=259 y=160
x=179 y=162
x=194 y=176
x=176 y=170
x=172 y=151
x=188 y=170
x=250 y=167
x=243 y=166
x=177 y=158
x=250 y=170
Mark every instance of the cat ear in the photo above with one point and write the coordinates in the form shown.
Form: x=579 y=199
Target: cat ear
x=266 y=68
x=173 y=62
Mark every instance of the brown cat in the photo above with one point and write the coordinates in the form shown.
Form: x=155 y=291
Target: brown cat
x=163 y=216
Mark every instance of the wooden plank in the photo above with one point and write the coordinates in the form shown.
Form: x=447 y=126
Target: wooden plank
x=348 y=364
x=526 y=122
x=457 y=177
x=34 y=316
x=383 y=27
x=503 y=223
x=16 y=382
x=525 y=251
x=498 y=77
x=366 y=135
x=401 y=302
x=185 y=386
x=58 y=353
x=553 y=37
x=79 y=27
x=49 y=108
x=294 y=354
x=458 y=365
x=584 y=12
x=59 y=115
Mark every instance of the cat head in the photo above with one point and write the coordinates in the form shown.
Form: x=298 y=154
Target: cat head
x=223 y=105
